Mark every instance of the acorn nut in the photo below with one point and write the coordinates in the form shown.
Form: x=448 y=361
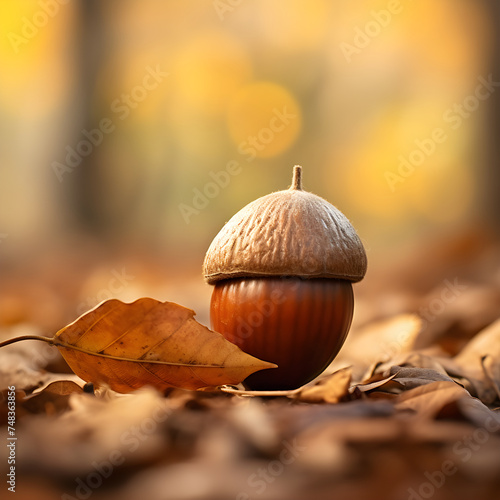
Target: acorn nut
x=282 y=269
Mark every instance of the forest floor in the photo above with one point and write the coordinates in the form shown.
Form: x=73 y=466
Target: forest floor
x=408 y=410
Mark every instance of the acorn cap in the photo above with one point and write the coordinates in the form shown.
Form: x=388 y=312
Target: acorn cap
x=287 y=233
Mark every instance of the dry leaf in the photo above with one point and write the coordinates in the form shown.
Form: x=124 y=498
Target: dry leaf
x=148 y=342
x=411 y=377
x=151 y=343
x=416 y=359
x=378 y=342
x=377 y=382
x=427 y=400
x=53 y=397
x=58 y=388
x=479 y=361
x=328 y=390
x=479 y=414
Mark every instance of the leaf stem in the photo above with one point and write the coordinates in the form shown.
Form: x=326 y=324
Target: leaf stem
x=49 y=340
x=241 y=392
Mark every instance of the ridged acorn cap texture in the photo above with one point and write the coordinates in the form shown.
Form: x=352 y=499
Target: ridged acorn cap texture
x=287 y=233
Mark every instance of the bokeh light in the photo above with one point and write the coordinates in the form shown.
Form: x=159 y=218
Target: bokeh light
x=263 y=119
x=345 y=89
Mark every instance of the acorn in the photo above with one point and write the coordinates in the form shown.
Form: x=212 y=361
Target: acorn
x=282 y=270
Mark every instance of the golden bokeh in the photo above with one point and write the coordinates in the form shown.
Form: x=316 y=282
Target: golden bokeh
x=207 y=69
x=268 y=85
x=302 y=25
x=401 y=173
x=35 y=77
x=264 y=119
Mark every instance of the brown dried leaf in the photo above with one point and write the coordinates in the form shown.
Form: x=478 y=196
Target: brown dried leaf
x=59 y=388
x=331 y=389
x=427 y=400
x=379 y=342
x=147 y=342
x=377 y=382
x=416 y=359
x=411 y=377
x=53 y=397
x=479 y=361
x=479 y=414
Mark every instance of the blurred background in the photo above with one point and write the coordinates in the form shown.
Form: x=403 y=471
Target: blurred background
x=131 y=131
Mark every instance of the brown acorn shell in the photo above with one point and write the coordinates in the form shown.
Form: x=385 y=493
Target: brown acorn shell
x=287 y=233
x=298 y=324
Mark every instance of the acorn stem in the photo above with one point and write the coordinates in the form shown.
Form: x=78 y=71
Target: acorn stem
x=297 y=178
